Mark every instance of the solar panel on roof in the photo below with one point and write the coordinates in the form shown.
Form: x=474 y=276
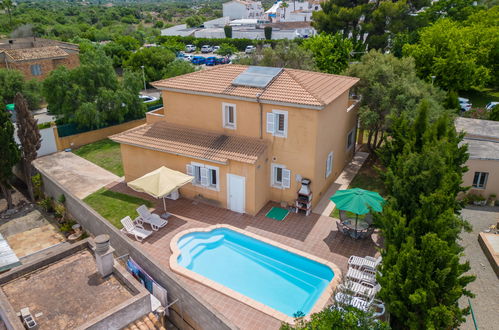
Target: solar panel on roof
x=256 y=76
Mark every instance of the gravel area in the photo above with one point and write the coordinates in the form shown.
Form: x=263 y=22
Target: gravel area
x=486 y=286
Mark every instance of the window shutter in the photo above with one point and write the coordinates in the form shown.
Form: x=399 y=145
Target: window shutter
x=205 y=176
x=286 y=178
x=189 y=169
x=270 y=123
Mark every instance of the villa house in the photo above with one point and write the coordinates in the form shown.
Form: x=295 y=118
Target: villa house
x=240 y=9
x=37 y=57
x=247 y=134
x=482 y=138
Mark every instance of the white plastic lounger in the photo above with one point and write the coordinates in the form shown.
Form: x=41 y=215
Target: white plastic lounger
x=363 y=289
x=359 y=275
x=131 y=228
x=150 y=218
x=346 y=299
x=367 y=262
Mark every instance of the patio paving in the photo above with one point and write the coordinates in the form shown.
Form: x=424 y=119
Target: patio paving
x=315 y=234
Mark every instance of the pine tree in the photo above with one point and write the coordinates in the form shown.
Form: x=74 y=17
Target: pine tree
x=9 y=154
x=29 y=136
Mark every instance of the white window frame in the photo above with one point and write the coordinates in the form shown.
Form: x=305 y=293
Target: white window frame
x=480 y=175
x=285 y=180
x=329 y=164
x=352 y=131
x=273 y=123
x=225 y=116
x=205 y=175
x=36 y=69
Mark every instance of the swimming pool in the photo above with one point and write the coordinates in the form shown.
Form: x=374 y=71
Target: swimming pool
x=270 y=274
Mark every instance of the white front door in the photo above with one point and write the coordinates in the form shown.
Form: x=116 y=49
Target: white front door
x=236 y=189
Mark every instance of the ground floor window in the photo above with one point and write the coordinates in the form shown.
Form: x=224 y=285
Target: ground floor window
x=351 y=139
x=480 y=179
x=281 y=176
x=36 y=70
x=329 y=164
x=204 y=175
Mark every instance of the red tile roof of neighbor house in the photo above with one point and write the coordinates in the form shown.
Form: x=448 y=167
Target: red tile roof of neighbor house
x=290 y=86
x=27 y=54
x=194 y=143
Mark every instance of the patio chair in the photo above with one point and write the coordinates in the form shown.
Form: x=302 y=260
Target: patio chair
x=361 y=275
x=131 y=228
x=367 y=262
x=150 y=218
x=363 y=289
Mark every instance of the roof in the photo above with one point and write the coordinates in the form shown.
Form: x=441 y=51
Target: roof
x=194 y=143
x=478 y=127
x=483 y=150
x=291 y=87
x=27 y=54
x=148 y=322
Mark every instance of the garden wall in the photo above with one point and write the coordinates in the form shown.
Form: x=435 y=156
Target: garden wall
x=80 y=139
x=190 y=312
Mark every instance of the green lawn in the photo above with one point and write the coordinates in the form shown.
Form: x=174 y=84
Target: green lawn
x=105 y=153
x=480 y=97
x=114 y=206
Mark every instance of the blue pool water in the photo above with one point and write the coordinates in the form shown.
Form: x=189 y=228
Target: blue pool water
x=275 y=277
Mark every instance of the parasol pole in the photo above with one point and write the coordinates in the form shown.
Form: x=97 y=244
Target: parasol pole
x=356 y=218
x=164 y=204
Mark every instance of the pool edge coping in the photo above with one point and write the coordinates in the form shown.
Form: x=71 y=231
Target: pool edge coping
x=318 y=306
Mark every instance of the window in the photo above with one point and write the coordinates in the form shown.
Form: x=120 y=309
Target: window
x=281 y=177
x=480 y=179
x=204 y=175
x=229 y=115
x=329 y=164
x=351 y=139
x=36 y=70
x=277 y=123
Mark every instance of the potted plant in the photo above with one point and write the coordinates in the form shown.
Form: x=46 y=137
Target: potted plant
x=492 y=200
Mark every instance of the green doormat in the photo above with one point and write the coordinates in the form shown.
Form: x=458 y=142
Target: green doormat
x=277 y=213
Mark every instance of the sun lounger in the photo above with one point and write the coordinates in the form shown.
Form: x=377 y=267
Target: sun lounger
x=152 y=219
x=360 y=275
x=357 y=302
x=366 y=263
x=131 y=228
x=362 y=289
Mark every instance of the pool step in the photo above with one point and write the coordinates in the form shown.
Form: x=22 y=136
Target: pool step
x=194 y=246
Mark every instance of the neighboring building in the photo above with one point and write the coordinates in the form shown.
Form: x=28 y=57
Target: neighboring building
x=295 y=12
x=37 y=57
x=247 y=134
x=482 y=138
x=240 y=9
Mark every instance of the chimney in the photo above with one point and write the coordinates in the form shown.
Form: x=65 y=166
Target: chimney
x=104 y=255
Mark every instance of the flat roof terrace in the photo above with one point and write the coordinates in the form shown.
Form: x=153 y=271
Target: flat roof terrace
x=70 y=292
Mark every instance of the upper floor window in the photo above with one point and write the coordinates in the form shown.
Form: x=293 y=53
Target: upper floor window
x=36 y=70
x=329 y=164
x=229 y=115
x=204 y=175
x=351 y=139
x=280 y=177
x=277 y=123
x=480 y=179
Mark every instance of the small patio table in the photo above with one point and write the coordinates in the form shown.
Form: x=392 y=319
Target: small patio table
x=361 y=224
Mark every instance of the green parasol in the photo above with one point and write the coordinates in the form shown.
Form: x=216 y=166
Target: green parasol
x=358 y=201
x=10 y=107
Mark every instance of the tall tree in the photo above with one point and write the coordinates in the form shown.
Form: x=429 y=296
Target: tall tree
x=29 y=136
x=331 y=52
x=9 y=152
x=8 y=5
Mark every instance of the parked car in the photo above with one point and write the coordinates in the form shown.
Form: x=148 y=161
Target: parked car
x=250 y=49
x=464 y=104
x=206 y=49
x=190 y=48
x=187 y=58
x=491 y=105
x=211 y=61
x=223 y=60
x=198 y=60
x=147 y=98
x=216 y=48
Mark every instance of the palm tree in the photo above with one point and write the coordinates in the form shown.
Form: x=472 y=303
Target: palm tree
x=284 y=5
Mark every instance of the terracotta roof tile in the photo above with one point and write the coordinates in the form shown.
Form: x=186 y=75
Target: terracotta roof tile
x=26 y=54
x=290 y=86
x=170 y=138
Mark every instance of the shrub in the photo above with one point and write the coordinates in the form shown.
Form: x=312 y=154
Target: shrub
x=228 y=31
x=37 y=186
x=268 y=32
x=46 y=204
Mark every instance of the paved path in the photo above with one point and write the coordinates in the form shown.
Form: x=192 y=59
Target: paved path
x=77 y=174
x=326 y=206
x=486 y=285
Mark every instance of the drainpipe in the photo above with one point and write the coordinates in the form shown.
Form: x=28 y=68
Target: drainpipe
x=261 y=113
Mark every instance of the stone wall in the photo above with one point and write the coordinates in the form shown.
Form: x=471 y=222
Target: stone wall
x=47 y=65
x=190 y=311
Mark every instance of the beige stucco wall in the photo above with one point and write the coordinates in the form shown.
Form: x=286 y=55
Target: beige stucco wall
x=138 y=161
x=488 y=166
